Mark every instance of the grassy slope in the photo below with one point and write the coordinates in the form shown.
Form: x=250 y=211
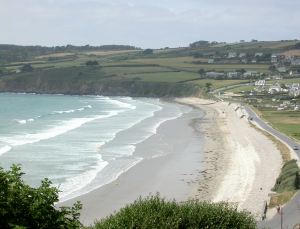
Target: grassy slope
x=287 y=122
x=166 y=66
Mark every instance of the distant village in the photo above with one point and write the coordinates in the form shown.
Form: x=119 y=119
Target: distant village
x=269 y=87
x=281 y=65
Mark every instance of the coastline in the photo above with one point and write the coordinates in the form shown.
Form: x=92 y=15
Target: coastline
x=249 y=163
x=219 y=157
x=172 y=161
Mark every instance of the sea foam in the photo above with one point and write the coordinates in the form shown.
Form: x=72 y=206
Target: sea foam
x=5 y=149
x=60 y=129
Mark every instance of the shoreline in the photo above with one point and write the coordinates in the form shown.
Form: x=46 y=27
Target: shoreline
x=171 y=164
x=227 y=160
x=250 y=161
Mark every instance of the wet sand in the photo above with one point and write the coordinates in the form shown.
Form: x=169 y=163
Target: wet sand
x=171 y=165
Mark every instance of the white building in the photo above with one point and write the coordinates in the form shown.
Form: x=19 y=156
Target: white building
x=232 y=55
x=276 y=88
x=274 y=59
x=210 y=61
x=258 y=54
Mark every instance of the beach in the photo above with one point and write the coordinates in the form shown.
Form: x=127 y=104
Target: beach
x=246 y=163
x=171 y=164
x=210 y=153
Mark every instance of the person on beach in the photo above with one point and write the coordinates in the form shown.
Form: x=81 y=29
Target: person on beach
x=278 y=209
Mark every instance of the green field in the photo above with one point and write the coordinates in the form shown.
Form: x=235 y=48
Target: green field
x=287 y=122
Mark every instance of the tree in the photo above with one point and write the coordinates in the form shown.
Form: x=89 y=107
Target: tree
x=155 y=212
x=272 y=68
x=201 y=71
x=91 y=63
x=148 y=51
x=242 y=70
x=22 y=206
x=27 y=68
x=297 y=46
x=208 y=86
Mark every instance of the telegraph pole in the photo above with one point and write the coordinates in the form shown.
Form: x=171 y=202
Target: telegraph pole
x=281 y=218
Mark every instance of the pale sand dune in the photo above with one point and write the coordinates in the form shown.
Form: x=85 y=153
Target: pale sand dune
x=248 y=163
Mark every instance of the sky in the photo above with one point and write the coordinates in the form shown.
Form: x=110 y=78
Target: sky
x=146 y=23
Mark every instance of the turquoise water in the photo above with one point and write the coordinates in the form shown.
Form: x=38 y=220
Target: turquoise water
x=79 y=142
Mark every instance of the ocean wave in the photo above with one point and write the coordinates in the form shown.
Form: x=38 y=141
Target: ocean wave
x=74 y=184
x=72 y=110
x=5 y=149
x=80 y=190
x=121 y=104
x=60 y=129
x=155 y=127
x=24 y=121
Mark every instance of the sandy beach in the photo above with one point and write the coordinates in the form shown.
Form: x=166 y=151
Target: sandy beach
x=211 y=153
x=246 y=163
x=171 y=164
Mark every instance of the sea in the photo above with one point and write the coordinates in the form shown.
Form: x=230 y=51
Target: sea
x=79 y=142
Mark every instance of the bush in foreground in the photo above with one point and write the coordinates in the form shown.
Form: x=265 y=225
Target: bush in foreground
x=22 y=206
x=155 y=212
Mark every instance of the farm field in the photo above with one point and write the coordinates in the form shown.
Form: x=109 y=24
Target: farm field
x=287 y=122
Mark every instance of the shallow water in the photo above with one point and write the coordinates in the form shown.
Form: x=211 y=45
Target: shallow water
x=79 y=142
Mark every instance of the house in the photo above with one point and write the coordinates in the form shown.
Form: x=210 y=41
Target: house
x=245 y=61
x=275 y=88
x=258 y=54
x=233 y=74
x=253 y=61
x=260 y=83
x=281 y=69
x=250 y=74
x=274 y=59
x=276 y=77
x=214 y=75
x=210 y=61
x=232 y=55
x=294 y=90
x=295 y=62
x=242 y=55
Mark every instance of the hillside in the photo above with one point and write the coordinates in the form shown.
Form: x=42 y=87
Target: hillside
x=126 y=70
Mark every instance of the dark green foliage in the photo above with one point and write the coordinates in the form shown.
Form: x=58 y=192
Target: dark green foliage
x=198 y=44
x=297 y=46
x=288 y=179
x=22 y=206
x=91 y=80
x=26 y=68
x=14 y=53
x=148 y=51
x=91 y=63
x=154 y=212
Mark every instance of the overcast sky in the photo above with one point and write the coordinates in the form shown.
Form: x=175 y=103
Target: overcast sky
x=146 y=23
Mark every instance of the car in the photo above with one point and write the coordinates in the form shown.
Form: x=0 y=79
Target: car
x=296 y=148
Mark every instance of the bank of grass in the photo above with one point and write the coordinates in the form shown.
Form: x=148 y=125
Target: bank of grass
x=286 y=184
x=155 y=212
x=281 y=199
x=289 y=178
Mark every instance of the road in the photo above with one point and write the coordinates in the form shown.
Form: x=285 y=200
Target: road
x=290 y=142
x=291 y=211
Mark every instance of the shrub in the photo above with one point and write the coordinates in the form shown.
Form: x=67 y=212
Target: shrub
x=288 y=179
x=155 y=212
x=22 y=206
